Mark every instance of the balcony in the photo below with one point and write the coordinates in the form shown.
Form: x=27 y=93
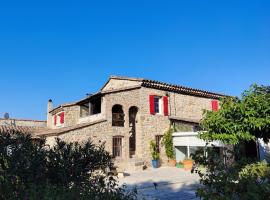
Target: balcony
x=91 y=118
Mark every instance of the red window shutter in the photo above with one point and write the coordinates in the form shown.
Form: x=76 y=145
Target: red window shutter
x=215 y=105
x=152 y=104
x=165 y=106
x=55 y=119
x=62 y=118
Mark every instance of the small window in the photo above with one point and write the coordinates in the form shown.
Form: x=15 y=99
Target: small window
x=156 y=101
x=59 y=119
x=117 y=146
x=158 y=141
x=158 y=104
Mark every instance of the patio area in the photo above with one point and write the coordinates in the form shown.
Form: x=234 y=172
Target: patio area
x=162 y=183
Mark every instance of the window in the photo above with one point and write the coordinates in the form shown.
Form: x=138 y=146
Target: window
x=118 y=117
x=117 y=146
x=59 y=119
x=158 y=141
x=214 y=105
x=158 y=105
x=91 y=107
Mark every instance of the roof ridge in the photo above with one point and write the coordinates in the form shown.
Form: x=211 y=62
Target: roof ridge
x=166 y=84
x=180 y=88
x=126 y=78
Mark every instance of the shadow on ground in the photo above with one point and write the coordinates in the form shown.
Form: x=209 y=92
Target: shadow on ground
x=165 y=190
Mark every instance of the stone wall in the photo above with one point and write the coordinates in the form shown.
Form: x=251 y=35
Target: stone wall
x=187 y=106
x=22 y=122
x=147 y=126
x=182 y=106
x=72 y=114
x=126 y=99
x=97 y=133
x=116 y=84
x=152 y=125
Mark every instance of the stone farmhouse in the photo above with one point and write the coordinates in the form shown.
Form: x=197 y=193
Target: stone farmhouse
x=126 y=114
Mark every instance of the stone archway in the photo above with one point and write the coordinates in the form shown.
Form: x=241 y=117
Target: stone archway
x=133 y=111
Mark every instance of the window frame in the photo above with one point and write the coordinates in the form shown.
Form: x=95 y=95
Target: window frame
x=158 y=100
x=117 y=146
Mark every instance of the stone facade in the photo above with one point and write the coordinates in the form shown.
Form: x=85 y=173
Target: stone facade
x=128 y=93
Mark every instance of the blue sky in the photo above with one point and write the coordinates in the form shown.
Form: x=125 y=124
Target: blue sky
x=65 y=49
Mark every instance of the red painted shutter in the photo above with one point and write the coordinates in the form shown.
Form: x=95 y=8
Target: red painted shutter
x=152 y=104
x=165 y=106
x=55 y=119
x=62 y=118
x=214 y=105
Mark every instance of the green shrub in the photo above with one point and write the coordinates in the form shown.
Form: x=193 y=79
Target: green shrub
x=30 y=170
x=240 y=180
x=167 y=141
x=153 y=149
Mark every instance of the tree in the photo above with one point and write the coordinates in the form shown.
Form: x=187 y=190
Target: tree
x=30 y=170
x=239 y=120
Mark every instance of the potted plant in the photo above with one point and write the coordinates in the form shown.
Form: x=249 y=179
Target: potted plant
x=167 y=142
x=179 y=165
x=188 y=163
x=155 y=154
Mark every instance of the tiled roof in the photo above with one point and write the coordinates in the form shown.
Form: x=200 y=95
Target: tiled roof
x=172 y=88
x=62 y=106
x=180 y=89
x=155 y=85
x=21 y=129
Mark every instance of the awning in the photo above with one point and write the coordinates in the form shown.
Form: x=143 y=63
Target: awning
x=191 y=139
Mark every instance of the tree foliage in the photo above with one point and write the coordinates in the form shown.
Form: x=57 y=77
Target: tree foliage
x=30 y=170
x=240 y=119
x=167 y=141
x=242 y=180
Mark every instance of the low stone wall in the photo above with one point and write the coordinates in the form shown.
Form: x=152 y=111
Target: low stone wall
x=23 y=122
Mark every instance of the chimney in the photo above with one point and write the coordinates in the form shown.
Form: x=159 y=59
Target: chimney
x=50 y=105
x=49 y=116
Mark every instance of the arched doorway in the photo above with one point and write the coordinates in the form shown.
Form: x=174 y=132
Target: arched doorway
x=133 y=111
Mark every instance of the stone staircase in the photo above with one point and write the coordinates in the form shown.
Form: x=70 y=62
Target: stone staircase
x=132 y=164
x=135 y=164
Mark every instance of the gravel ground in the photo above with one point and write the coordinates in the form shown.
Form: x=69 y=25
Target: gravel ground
x=171 y=183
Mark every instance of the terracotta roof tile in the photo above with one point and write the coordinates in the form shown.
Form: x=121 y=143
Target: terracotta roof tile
x=180 y=89
x=21 y=129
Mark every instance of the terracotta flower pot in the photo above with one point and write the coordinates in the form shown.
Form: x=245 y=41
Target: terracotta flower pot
x=188 y=164
x=172 y=163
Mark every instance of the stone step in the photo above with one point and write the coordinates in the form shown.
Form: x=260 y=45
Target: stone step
x=132 y=164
